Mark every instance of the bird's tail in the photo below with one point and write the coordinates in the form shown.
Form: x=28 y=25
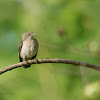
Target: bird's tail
x=26 y=66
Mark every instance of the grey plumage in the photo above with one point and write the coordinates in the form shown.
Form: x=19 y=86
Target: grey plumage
x=28 y=48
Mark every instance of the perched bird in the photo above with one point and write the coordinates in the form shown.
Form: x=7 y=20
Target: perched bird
x=28 y=48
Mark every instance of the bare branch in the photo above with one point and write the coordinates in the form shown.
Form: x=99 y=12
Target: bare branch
x=40 y=61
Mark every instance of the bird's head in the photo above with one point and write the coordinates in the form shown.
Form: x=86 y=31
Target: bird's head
x=27 y=35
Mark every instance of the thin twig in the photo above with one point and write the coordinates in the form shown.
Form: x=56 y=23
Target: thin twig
x=40 y=61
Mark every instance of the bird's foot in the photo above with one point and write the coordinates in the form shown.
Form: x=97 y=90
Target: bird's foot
x=27 y=65
x=36 y=60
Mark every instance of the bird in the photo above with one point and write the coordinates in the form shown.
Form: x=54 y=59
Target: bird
x=28 y=48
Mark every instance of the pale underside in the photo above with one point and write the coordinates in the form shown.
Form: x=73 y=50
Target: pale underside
x=29 y=49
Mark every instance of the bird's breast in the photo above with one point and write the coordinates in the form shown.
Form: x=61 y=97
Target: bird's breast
x=28 y=50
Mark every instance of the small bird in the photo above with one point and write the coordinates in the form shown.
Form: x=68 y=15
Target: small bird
x=28 y=48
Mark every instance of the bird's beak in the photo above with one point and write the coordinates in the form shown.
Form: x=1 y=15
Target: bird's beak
x=33 y=34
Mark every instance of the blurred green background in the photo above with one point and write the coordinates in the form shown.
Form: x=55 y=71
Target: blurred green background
x=66 y=29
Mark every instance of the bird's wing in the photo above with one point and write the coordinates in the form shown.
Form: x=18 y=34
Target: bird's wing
x=37 y=48
x=19 y=50
x=36 y=43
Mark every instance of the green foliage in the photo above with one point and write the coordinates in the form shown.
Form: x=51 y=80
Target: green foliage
x=67 y=29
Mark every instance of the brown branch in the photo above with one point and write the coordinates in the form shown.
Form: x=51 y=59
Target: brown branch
x=40 y=61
